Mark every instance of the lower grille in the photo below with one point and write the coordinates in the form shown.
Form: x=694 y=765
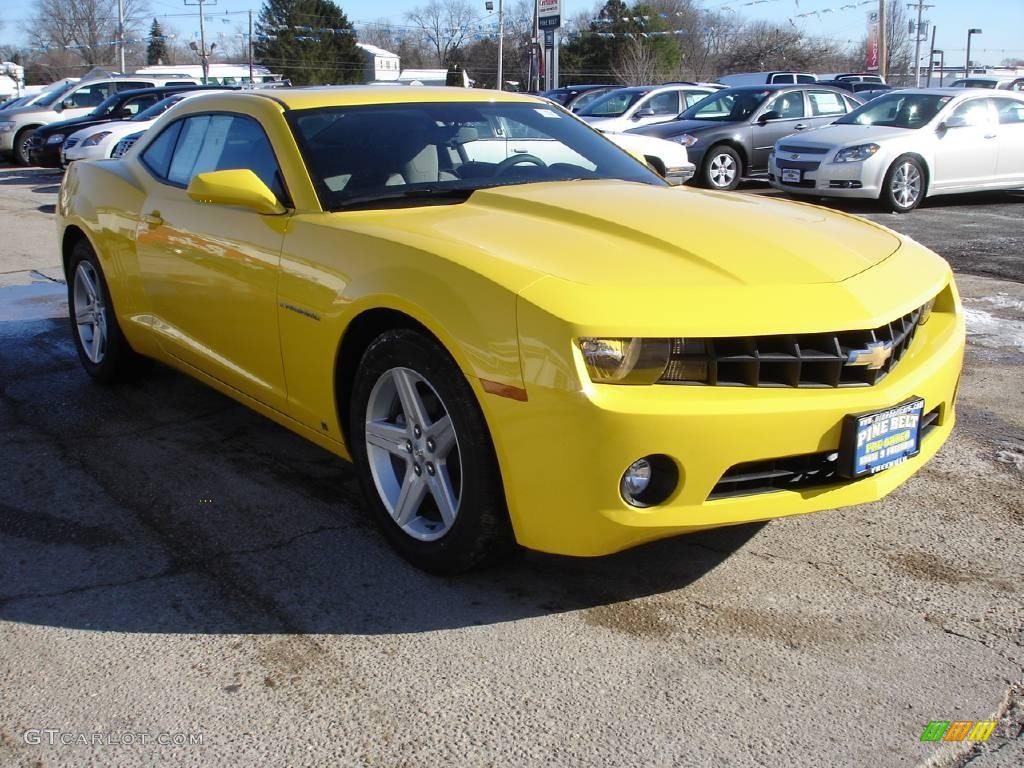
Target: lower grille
x=793 y=473
x=807 y=360
x=803 y=165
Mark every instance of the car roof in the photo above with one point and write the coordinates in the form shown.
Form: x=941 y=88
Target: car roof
x=787 y=87
x=961 y=91
x=356 y=95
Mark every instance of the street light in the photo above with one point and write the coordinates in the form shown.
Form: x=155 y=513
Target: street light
x=204 y=58
x=501 y=37
x=970 y=34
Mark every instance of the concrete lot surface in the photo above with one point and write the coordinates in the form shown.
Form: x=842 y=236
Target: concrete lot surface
x=172 y=564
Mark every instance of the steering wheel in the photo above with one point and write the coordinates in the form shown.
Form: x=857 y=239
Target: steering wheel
x=510 y=162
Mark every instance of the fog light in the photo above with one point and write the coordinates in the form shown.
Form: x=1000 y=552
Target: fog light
x=649 y=481
x=636 y=478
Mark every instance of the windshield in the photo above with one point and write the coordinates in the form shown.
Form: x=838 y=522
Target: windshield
x=406 y=153
x=897 y=110
x=52 y=97
x=726 y=106
x=613 y=104
x=159 y=108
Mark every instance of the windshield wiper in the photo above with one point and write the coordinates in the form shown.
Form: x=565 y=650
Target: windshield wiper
x=441 y=195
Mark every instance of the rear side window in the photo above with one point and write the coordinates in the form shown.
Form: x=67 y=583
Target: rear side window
x=132 y=85
x=157 y=156
x=666 y=103
x=1010 y=111
x=783 y=79
x=806 y=79
x=825 y=103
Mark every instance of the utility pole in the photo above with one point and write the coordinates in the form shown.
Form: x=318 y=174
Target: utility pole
x=250 y=47
x=120 y=32
x=917 y=40
x=970 y=34
x=883 y=40
x=501 y=43
x=536 y=51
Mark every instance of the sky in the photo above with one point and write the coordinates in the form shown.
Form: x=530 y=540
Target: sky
x=1002 y=21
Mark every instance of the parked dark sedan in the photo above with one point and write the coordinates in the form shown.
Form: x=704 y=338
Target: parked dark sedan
x=730 y=134
x=47 y=140
x=574 y=97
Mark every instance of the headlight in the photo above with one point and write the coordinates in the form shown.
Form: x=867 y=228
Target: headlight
x=686 y=139
x=854 y=154
x=6 y=126
x=625 y=361
x=57 y=138
x=95 y=139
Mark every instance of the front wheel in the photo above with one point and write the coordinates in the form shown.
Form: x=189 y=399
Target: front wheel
x=904 y=187
x=424 y=456
x=721 y=169
x=22 y=146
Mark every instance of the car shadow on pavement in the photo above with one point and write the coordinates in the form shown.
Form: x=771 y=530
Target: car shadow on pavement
x=21 y=176
x=162 y=506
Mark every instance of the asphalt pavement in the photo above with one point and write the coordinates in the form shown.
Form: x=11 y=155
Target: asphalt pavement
x=183 y=581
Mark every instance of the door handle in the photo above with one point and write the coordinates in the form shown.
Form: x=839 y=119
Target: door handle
x=800 y=127
x=991 y=135
x=153 y=219
x=520 y=151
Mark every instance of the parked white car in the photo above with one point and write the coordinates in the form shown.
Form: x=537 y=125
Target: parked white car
x=907 y=145
x=98 y=141
x=637 y=106
x=666 y=157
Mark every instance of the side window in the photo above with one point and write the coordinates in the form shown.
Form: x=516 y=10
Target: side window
x=666 y=103
x=850 y=104
x=790 y=106
x=89 y=95
x=223 y=143
x=974 y=112
x=132 y=107
x=692 y=97
x=783 y=79
x=517 y=130
x=157 y=156
x=825 y=103
x=806 y=79
x=1010 y=111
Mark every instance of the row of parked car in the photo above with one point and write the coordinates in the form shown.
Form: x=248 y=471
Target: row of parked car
x=821 y=138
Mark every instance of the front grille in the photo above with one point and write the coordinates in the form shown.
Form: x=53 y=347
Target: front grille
x=803 y=165
x=797 y=150
x=792 y=473
x=806 y=360
x=123 y=146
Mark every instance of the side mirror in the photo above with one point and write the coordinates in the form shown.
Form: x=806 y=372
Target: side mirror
x=239 y=188
x=769 y=115
x=956 y=121
x=641 y=113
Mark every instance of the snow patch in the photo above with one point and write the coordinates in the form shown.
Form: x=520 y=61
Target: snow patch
x=987 y=330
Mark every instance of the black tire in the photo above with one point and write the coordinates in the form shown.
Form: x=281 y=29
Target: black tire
x=21 y=153
x=721 y=169
x=900 y=176
x=481 y=533
x=118 y=361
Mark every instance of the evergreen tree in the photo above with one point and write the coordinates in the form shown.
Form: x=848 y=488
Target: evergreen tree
x=310 y=42
x=156 y=50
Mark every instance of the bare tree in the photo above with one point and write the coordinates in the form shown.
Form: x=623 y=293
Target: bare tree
x=445 y=25
x=80 y=33
x=637 y=63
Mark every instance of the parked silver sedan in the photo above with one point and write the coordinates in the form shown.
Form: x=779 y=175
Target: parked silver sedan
x=907 y=145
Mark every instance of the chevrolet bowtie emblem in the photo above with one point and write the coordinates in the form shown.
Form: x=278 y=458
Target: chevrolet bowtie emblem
x=873 y=356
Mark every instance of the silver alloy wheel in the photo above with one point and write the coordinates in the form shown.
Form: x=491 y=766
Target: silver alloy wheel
x=722 y=170
x=25 y=149
x=90 y=312
x=413 y=454
x=906 y=185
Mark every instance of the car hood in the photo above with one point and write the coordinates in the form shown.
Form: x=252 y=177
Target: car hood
x=617 y=234
x=70 y=126
x=842 y=135
x=679 y=127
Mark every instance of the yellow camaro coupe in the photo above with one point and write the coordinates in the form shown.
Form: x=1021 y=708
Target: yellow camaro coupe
x=515 y=330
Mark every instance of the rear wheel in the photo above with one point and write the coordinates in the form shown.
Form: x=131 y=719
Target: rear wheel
x=102 y=348
x=904 y=186
x=424 y=456
x=721 y=169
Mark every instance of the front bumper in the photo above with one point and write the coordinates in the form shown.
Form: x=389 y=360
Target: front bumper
x=850 y=180
x=680 y=175
x=563 y=452
x=45 y=155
